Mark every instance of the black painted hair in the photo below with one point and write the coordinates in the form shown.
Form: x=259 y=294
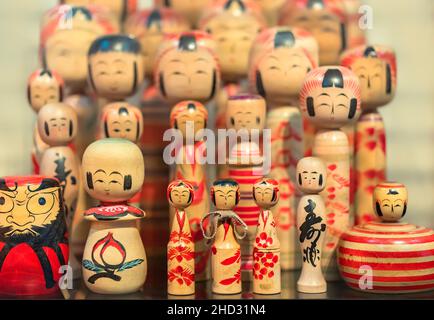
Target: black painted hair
x=370 y=52
x=284 y=39
x=312 y=3
x=154 y=18
x=333 y=78
x=187 y=42
x=240 y=3
x=225 y=183
x=115 y=42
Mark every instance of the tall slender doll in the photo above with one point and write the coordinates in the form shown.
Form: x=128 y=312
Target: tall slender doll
x=226 y=228
x=376 y=68
x=330 y=99
x=312 y=176
x=180 y=249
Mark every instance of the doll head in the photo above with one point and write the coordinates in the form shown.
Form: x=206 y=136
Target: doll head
x=280 y=60
x=245 y=111
x=390 y=201
x=311 y=175
x=187 y=68
x=180 y=194
x=65 y=40
x=44 y=86
x=325 y=19
x=122 y=120
x=150 y=26
x=330 y=97
x=188 y=111
x=57 y=124
x=225 y=194
x=376 y=68
x=115 y=66
x=266 y=193
x=234 y=25
x=116 y=175
x=190 y=10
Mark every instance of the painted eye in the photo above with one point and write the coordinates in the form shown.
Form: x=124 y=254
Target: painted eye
x=41 y=203
x=117 y=130
x=6 y=204
x=128 y=130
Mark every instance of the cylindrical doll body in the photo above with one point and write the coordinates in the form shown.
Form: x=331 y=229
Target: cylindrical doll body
x=330 y=99
x=311 y=224
x=376 y=68
x=190 y=156
x=180 y=249
x=114 y=259
x=266 y=252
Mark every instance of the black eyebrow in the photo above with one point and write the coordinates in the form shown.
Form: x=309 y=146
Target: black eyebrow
x=304 y=172
x=99 y=170
x=324 y=94
x=342 y=94
x=63 y=118
x=115 y=172
x=53 y=119
x=314 y=172
x=326 y=17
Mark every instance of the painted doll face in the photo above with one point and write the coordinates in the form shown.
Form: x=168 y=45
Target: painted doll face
x=122 y=120
x=43 y=90
x=57 y=124
x=28 y=205
x=283 y=71
x=115 y=177
x=180 y=197
x=374 y=81
x=245 y=112
x=390 y=201
x=193 y=115
x=115 y=75
x=311 y=175
x=326 y=28
x=225 y=197
x=234 y=36
x=185 y=75
x=265 y=194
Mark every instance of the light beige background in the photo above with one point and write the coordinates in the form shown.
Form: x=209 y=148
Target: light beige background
x=407 y=25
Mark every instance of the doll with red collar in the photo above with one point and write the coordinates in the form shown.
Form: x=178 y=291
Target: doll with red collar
x=113 y=178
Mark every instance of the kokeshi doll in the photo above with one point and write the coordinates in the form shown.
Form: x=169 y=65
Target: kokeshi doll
x=187 y=68
x=115 y=66
x=226 y=228
x=388 y=256
x=311 y=226
x=325 y=19
x=281 y=59
x=190 y=10
x=234 y=25
x=190 y=117
x=150 y=27
x=271 y=10
x=43 y=86
x=33 y=238
x=180 y=249
x=65 y=38
x=330 y=99
x=266 y=252
x=376 y=68
x=246 y=114
x=57 y=126
x=114 y=259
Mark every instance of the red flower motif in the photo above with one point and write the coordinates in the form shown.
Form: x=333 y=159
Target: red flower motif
x=264 y=264
x=234 y=259
x=181 y=275
x=228 y=281
x=179 y=253
x=332 y=167
x=180 y=236
x=263 y=240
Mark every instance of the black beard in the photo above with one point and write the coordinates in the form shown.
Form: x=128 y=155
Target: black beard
x=42 y=236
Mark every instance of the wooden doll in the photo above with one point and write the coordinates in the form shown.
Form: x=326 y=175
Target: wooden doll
x=57 y=126
x=190 y=10
x=150 y=26
x=311 y=226
x=246 y=114
x=187 y=68
x=388 y=256
x=330 y=99
x=325 y=19
x=114 y=259
x=376 y=68
x=190 y=156
x=226 y=228
x=180 y=249
x=271 y=10
x=33 y=242
x=115 y=66
x=43 y=86
x=234 y=25
x=266 y=252
x=281 y=58
x=66 y=36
